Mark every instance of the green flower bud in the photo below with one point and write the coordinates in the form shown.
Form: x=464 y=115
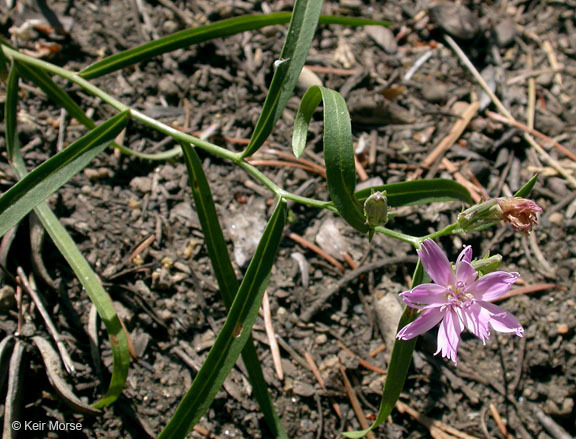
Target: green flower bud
x=376 y=209
x=488 y=264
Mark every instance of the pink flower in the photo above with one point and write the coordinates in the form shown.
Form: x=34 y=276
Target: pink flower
x=521 y=213
x=458 y=299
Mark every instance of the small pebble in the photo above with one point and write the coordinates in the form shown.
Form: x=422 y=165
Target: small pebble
x=505 y=32
x=562 y=328
x=7 y=298
x=321 y=339
x=168 y=87
x=556 y=218
x=169 y=27
x=435 y=91
x=383 y=37
x=141 y=184
x=456 y=20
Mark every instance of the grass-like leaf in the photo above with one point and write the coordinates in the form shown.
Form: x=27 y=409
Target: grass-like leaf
x=298 y=41
x=53 y=173
x=11 y=111
x=338 y=150
x=98 y=296
x=525 y=190
x=226 y=278
x=63 y=99
x=400 y=360
x=81 y=268
x=201 y=34
x=234 y=333
x=420 y=192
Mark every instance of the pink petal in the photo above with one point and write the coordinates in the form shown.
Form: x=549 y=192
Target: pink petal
x=436 y=263
x=426 y=321
x=477 y=321
x=449 y=335
x=493 y=285
x=426 y=296
x=502 y=321
x=465 y=275
x=465 y=254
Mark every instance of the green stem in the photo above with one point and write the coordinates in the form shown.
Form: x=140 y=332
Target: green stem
x=412 y=240
x=207 y=146
x=279 y=192
x=448 y=230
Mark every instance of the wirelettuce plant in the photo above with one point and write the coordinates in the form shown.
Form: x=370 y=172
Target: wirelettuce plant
x=460 y=293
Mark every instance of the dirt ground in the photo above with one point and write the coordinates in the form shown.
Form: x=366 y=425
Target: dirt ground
x=406 y=90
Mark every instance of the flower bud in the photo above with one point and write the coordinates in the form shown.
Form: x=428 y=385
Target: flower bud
x=488 y=264
x=376 y=209
x=521 y=213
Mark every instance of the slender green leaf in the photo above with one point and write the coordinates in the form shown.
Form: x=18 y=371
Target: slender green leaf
x=420 y=192
x=97 y=294
x=53 y=173
x=234 y=333
x=400 y=360
x=298 y=41
x=226 y=278
x=11 y=110
x=63 y=99
x=55 y=93
x=338 y=150
x=201 y=34
x=525 y=190
x=88 y=279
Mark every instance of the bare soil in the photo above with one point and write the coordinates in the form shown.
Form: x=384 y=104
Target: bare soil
x=405 y=88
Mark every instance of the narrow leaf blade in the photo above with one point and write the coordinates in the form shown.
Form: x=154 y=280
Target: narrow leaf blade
x=182 y=39
x=201 y=34
x=400 y=360
x=226 y=278
x=420 y=192
x=338 y=150
x=98 y=296
x=234 y=333
x=11 y=111
x=298 y=41
x=53 y=173
x=525 y=190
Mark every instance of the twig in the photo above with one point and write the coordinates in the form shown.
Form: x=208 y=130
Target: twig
x=532 y=131
x=502 y=109
x=332 y=70
x=454 y=134
x=309 y=245
x=315 y=371
x=433 y=425
x=320 y=169
x=376 y=351
x=419 y=63
x=499 y=422
x=527 y=290
x=474 y=193
x=531 y=108
x=281 y=163
x=355 y=403
x=275 y=351
x=550 y=425
x=31 y=290
x=553 y=61
x=141 y=247
x=360 y=169
x=362 y=362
